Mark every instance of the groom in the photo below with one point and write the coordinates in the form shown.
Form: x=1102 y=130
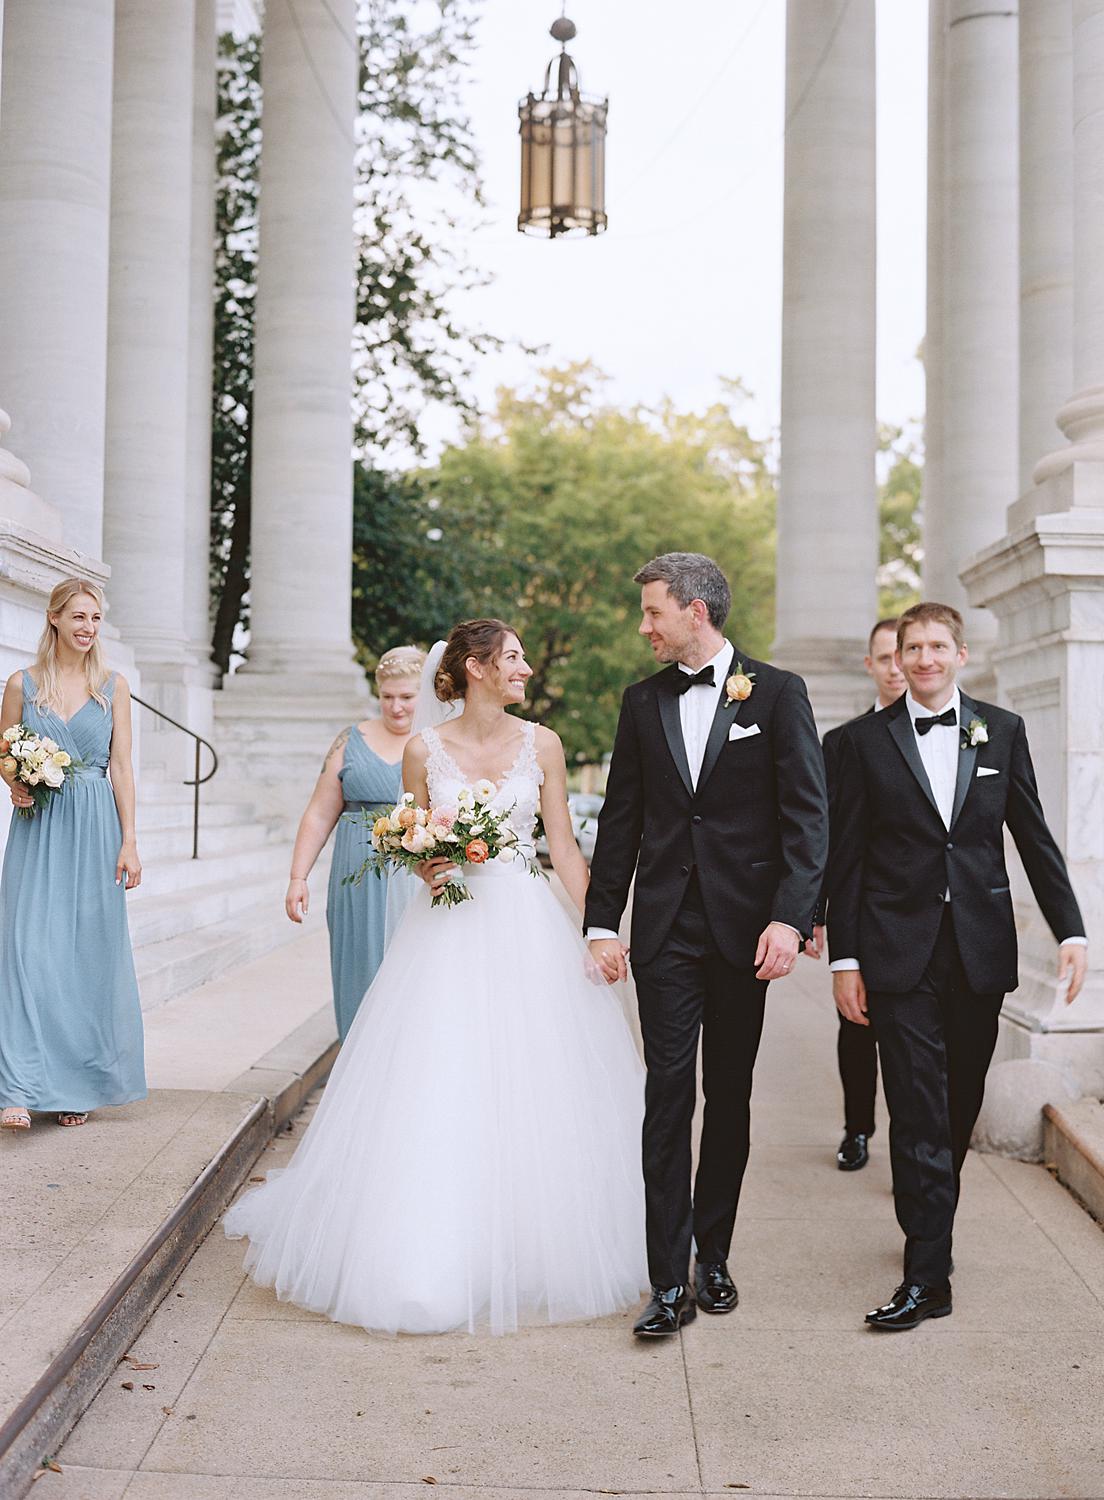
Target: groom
x=716 y=801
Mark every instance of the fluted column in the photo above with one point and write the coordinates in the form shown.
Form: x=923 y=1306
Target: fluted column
x=302 y=427
x=148 y=329
x=934 y=493
x=1045 y=580
x=827 y=514
x=55 y=155
x=980 y=285
x=1046 y=234
x=201 y=325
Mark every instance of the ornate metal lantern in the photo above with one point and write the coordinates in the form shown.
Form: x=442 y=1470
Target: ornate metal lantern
x=563 y=152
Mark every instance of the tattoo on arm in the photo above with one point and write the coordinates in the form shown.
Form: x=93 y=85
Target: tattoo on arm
x=337 y=745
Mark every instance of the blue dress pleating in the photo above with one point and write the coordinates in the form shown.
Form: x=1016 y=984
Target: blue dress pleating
x=70 y=1018
x=356 y=914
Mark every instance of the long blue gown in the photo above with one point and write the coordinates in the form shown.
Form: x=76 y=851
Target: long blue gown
x=70 y=1018
x=356 y=914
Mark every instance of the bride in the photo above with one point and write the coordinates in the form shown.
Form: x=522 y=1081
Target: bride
x=475 y=1159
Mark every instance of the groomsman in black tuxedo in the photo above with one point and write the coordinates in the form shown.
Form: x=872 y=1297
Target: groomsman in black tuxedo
x=856 y=1049
x=921 y=930
x=716 y=803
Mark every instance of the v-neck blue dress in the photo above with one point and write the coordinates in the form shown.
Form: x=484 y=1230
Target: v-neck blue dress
x=356 y=914
x=70 y=1018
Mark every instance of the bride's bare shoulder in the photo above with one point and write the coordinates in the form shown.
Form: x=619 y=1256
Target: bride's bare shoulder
x=546 y=741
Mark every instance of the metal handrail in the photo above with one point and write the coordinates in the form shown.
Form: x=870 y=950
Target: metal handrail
x=199 y=780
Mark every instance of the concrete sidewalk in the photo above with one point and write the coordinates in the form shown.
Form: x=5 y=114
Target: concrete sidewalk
x=790 y=1396
x=98 y=1221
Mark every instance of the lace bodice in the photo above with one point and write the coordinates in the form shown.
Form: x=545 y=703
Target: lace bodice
x=518 y=792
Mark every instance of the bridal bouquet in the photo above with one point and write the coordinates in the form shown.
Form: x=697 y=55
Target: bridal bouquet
x=470 y=833
x=39 y=762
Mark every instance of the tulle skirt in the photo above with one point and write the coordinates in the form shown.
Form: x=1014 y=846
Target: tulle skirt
x=474 y=1162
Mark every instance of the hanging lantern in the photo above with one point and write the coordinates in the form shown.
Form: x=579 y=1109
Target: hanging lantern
x=563 y=152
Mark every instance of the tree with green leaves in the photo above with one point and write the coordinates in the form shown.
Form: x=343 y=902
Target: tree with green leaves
x=900 y=520
x=415 y=148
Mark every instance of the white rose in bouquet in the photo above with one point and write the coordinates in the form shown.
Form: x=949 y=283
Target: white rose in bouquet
x=50 y=746
x=62 y=758
x=52 y=775
x=506 y=853
x=484 y=790
x=465 y=796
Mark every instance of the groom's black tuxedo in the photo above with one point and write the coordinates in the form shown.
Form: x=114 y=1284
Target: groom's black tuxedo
x=753 y=828
x=715 y=861
x=936 y=970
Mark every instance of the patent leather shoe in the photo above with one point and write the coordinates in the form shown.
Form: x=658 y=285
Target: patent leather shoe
x=853 y=1153
x=714 y=1288
x=668 y=1310
x=909 y=1306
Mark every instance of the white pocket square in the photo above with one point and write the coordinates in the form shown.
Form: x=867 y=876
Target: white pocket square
x=987 y=771
x=742 y=731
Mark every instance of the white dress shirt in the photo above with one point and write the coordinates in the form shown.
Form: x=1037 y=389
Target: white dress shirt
x=939 y=751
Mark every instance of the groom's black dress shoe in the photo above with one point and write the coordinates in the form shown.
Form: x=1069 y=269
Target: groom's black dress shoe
x=909 y=1306
x=714 y=1288
x=853 y=1153
x=668 y=1310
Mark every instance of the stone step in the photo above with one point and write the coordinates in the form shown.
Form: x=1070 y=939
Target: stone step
x=179 y=873
x=1073 y=1143
x=174 y=913
x=174 y=814
x=173 y=965
x=160 y=843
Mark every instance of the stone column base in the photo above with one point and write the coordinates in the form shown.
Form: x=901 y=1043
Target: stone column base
x=273 y=730
x=832 y=669
x=1045 y=583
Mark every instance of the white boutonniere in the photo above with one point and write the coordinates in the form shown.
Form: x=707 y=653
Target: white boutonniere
x=976 y=732
x=739 y=686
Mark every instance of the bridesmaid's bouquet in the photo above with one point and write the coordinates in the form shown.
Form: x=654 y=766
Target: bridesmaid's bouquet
x=471 y=833
x=36 y=760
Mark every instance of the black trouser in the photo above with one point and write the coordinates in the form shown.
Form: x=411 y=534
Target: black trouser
x=689 y=987
x=857 y=1051
x=935 y=1043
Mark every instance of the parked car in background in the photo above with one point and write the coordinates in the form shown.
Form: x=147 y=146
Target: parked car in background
x=584 y=808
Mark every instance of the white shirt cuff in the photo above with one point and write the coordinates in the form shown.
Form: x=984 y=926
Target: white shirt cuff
x=1078 y=942
x=841 y=964
x=595 y=934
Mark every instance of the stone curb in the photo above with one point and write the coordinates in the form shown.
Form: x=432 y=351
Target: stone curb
x=1073 y=1142
x=44 y=1417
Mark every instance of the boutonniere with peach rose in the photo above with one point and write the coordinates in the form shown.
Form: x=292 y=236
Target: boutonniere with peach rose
x=739 y=686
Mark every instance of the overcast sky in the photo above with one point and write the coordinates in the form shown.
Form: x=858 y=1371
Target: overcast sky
x=686 y=285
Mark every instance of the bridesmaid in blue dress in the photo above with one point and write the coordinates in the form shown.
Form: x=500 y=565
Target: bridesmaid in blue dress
x=362 y=771
x=70 y=1020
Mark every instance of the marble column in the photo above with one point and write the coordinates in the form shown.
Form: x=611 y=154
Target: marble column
x=1045 y=582
x=147 y=394
x=302 y=426
x=201 y=326
x=1046 y=235
x=933 y=491
x=300 y=669
x=980 y=299
x=55 y=162
x=827 y=510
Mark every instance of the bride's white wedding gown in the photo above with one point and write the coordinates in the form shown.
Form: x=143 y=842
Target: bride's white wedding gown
x=475 y=1159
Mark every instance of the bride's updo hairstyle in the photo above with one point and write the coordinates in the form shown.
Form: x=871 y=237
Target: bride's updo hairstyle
x=482 y=639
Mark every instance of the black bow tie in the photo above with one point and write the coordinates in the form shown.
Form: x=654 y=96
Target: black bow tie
x=947 y=717
x=683 y=681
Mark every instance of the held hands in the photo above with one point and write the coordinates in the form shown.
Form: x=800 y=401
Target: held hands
x=297 y=900
x=1073 y=961
x=610 y=954
x=777 y=951
x=849 y=993
x=128 y=866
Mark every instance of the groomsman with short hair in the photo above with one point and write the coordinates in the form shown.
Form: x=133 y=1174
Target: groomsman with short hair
x=856 y=1049
x=922 y=935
